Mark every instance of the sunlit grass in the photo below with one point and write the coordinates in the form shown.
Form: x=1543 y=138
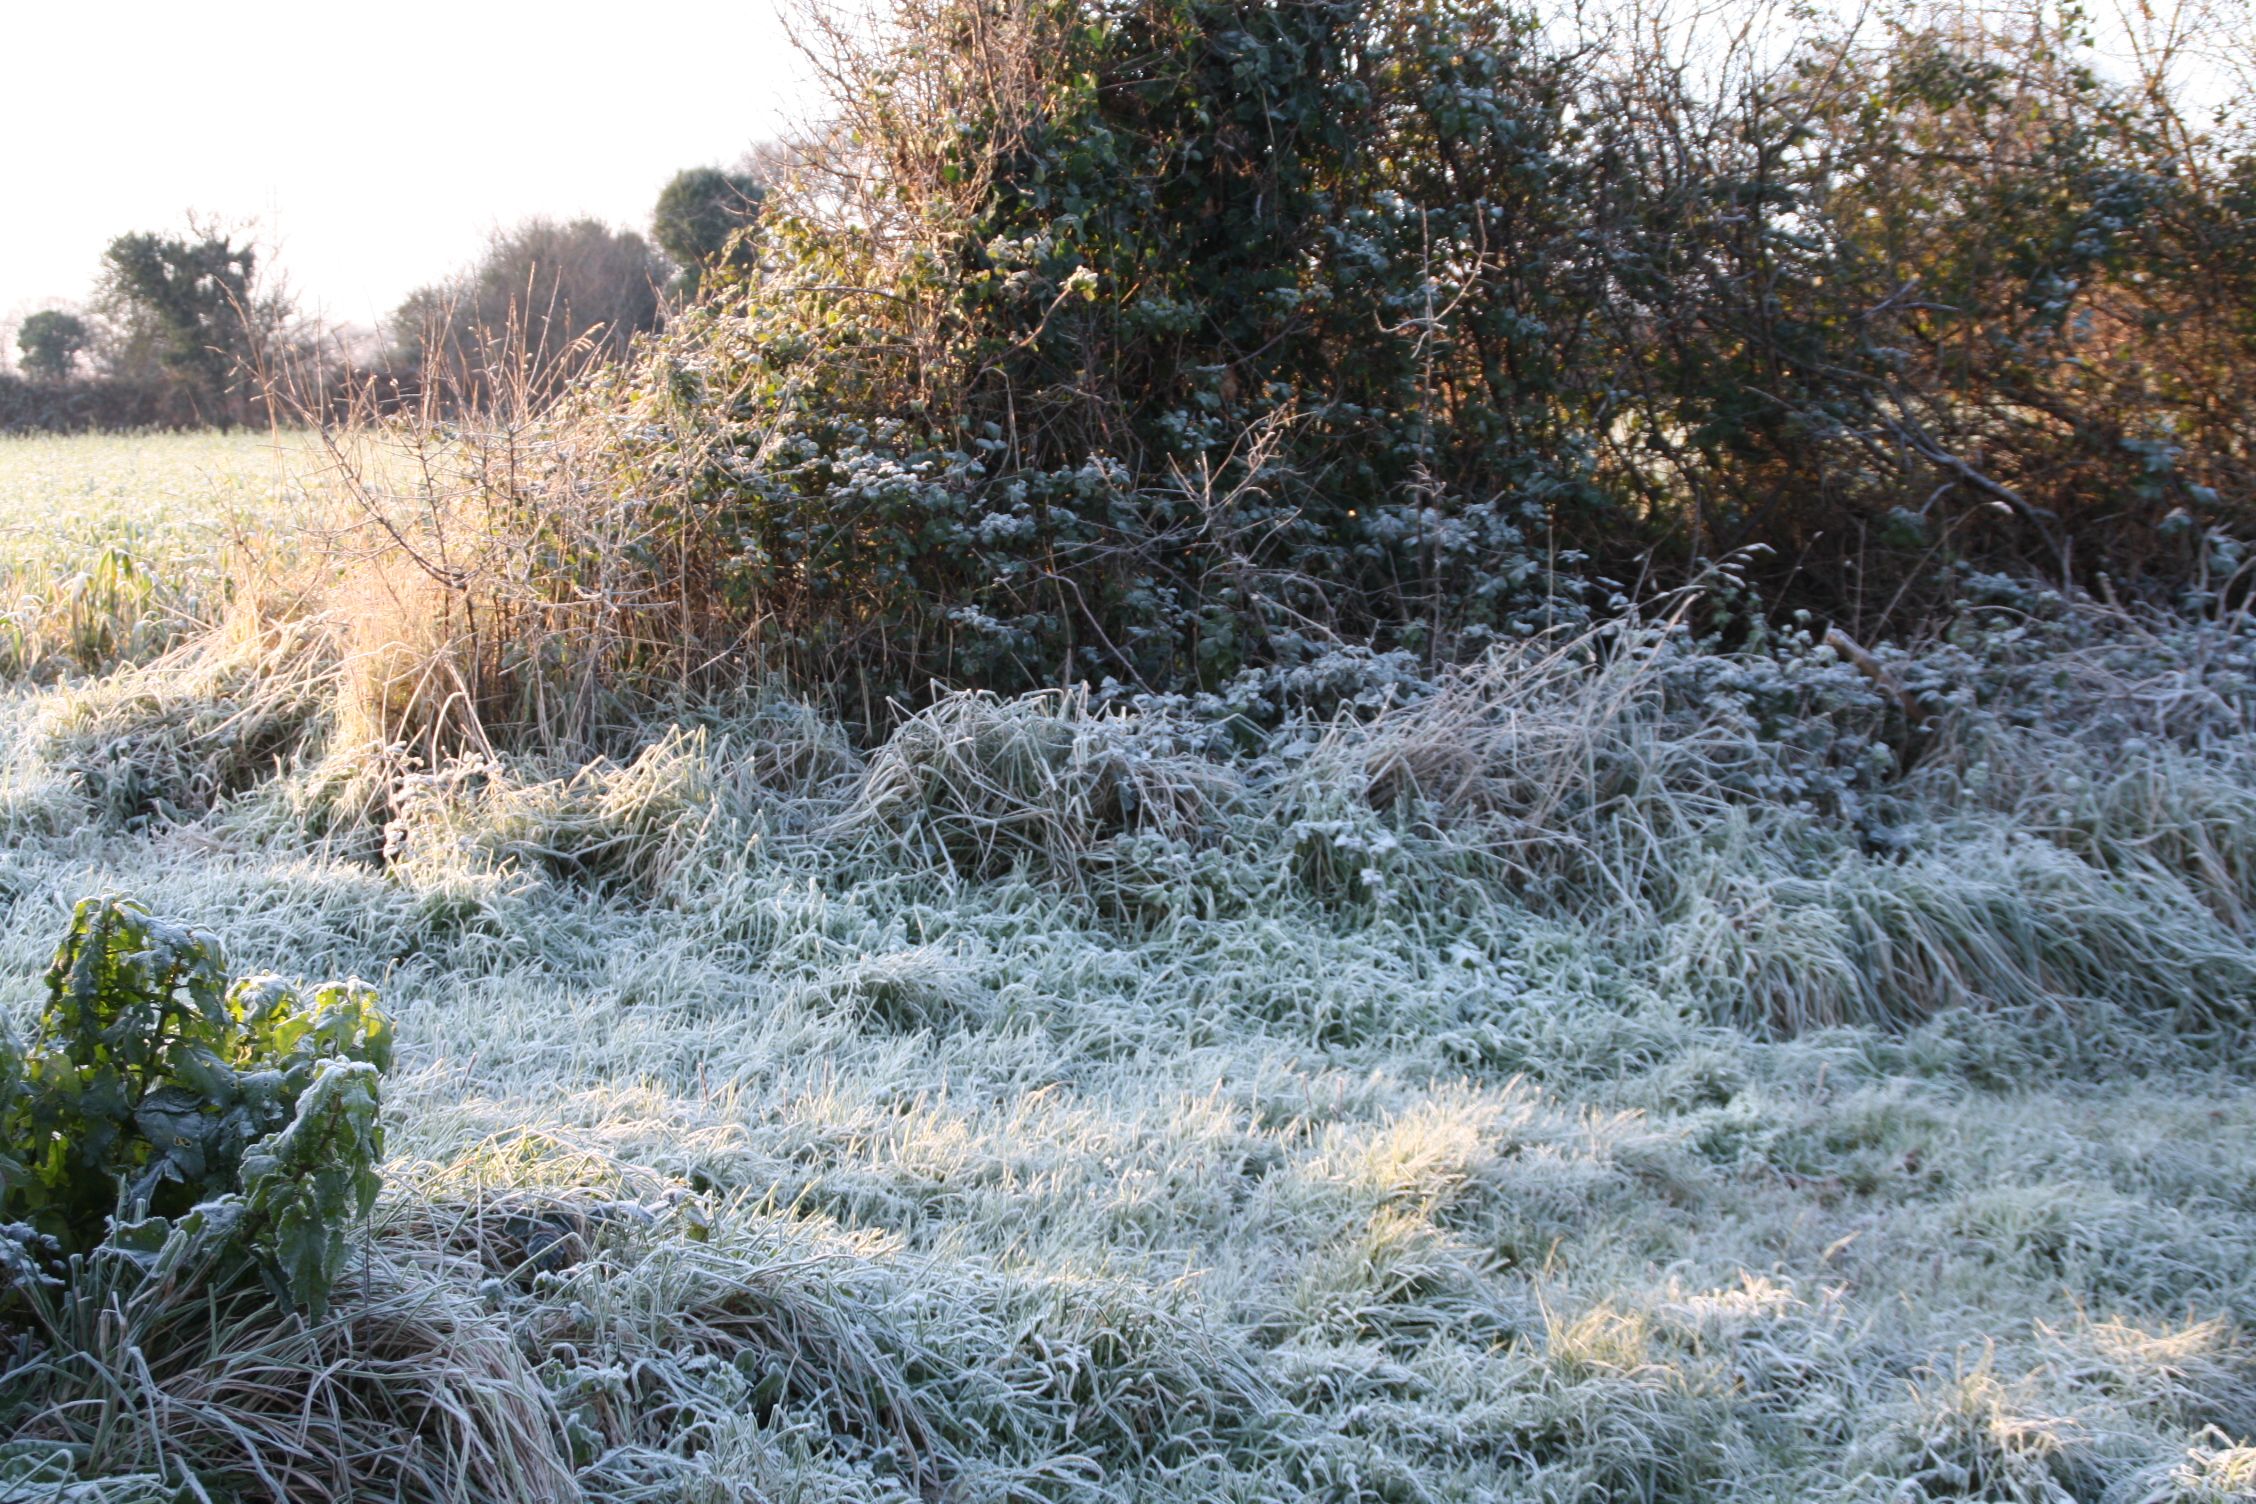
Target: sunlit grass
x=110 y=545
x=779 y=1121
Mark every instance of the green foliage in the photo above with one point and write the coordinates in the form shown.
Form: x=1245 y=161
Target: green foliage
x=157 y=1091
x=309 y=1180
x=51 y=342
x=1164 y=341
x=699 y=211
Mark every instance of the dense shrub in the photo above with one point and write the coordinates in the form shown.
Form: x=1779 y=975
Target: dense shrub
x=1146 y=386
x=1167 y=342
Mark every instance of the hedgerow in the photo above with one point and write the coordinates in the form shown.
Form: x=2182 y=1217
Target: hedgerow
x=1173 y=342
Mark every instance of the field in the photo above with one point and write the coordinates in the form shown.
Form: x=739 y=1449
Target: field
x=1580 y=1078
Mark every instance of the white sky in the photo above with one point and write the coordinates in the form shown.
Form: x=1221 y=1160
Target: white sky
x=374 y=146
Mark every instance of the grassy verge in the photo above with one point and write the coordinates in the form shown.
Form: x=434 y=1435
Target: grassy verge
x=1616 y=1072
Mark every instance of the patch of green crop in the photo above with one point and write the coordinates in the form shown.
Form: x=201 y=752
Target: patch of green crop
x=157 y=1097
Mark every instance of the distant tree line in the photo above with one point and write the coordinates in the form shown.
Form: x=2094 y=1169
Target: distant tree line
x=553 y=295
x=177 y=331
x=184 y=332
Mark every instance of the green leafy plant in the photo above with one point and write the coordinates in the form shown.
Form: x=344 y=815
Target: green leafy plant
x=158 y=1100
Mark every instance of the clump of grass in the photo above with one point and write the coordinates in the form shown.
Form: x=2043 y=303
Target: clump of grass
x=979 y=785
x=173 y=738
x=2216 y=1470
x=36 y=798
x=208 y=1388
x=1577 y=768
x=1542 y=742
x=1397 y=1282
x=1995 y=920
x=2197 y=1375
x=918 y=988
x=2155 y=814
x=603 y=824
x=939 y=1380
x=1967 y=1433
x=789 y=754
x=57 y=622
